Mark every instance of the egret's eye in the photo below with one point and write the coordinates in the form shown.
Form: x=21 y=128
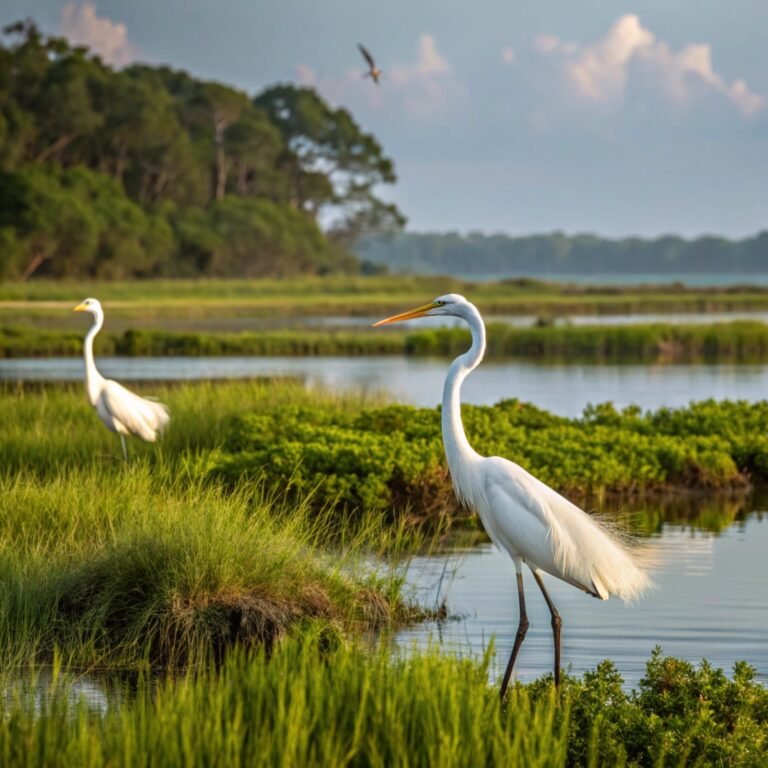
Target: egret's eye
x=440 y=303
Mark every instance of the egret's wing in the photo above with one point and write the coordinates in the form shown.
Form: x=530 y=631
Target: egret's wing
x=140 y=417
x=523 y=521
x=562 y=539
x=367 y=56
x=537 y=522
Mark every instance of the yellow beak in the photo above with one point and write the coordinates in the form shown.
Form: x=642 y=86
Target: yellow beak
x=80 y=308
x=409 y=315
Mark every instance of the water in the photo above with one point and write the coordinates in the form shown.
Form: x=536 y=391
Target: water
x=711 y=602
x=561 y=388
x=40 y=685
x=525 y=321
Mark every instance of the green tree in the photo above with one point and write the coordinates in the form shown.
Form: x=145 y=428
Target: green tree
x=334 y=166
x=49 y=230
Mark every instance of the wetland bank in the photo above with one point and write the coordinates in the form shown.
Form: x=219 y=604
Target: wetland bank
x=210 y=541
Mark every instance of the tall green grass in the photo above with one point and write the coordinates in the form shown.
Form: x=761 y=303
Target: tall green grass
x=308 y=703
x=117 y=562
x=116 y=569
x=302 y=705
x=257 y=607
x=47 y=428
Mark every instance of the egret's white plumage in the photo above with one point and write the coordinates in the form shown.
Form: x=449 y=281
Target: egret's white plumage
x=121 y=410
x=533 y=523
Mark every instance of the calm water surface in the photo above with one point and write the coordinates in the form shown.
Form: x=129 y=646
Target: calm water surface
x=523 y=321
x=711 y=601
x=560 y=388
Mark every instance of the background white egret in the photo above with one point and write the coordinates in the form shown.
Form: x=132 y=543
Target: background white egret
x=120 y=409
x=532 y=522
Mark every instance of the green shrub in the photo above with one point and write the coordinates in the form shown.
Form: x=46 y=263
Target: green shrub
x=391 y=458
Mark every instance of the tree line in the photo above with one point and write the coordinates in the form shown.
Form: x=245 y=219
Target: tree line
x=148 y=171
x=478 y=255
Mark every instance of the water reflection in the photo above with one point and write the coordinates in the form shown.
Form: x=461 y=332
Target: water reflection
x=695 y=511
x=710 y=602
x=42 y=686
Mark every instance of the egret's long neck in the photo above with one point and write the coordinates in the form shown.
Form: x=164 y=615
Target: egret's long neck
x=457 y=446
x=92 y=377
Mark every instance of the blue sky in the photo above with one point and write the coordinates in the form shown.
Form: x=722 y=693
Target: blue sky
x=613 y=118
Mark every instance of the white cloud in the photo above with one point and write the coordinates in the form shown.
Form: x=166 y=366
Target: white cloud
x=508 y=55
x=306 y=75
x=629 y=54
x=427 y=84
x=430 y=60
x=109 y=39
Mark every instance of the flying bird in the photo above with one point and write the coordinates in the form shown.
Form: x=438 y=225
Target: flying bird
x=373 y=71
x=121 y=410
x=533 y=523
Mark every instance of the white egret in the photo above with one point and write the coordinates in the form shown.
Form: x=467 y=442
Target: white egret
x=121 y=410
x=533 y=523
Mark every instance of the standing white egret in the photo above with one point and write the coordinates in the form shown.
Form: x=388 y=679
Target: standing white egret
x=121 y=410
x=534 y=524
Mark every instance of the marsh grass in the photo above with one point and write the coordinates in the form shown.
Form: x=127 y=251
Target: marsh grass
x=303 y=705
x=48 y=427
x=152 y=561
x=311 y=703
x=359 y=294
x=118 y=570
x=738 y=342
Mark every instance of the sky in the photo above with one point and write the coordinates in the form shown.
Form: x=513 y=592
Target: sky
x=574 y=115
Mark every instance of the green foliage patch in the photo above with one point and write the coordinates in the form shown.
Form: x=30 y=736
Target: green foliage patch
x=391 y=458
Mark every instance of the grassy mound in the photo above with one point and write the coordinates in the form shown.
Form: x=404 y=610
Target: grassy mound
x=115 y=569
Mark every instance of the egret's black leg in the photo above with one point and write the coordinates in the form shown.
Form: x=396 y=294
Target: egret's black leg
x=522 y=628
x=125 y=449
x=557 y=623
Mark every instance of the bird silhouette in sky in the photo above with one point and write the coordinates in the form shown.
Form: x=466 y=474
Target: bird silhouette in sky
x=373 y=71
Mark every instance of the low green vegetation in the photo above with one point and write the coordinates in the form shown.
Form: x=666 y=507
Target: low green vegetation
x=391 y=458
x=737 y=342
x=310 y=704
x=347 y=451
x=371 y=295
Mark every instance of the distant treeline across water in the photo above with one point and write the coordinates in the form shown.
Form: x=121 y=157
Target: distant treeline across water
x=667 y=258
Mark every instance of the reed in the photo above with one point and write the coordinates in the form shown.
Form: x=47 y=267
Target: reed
x=736 y=342
x=306 y=703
